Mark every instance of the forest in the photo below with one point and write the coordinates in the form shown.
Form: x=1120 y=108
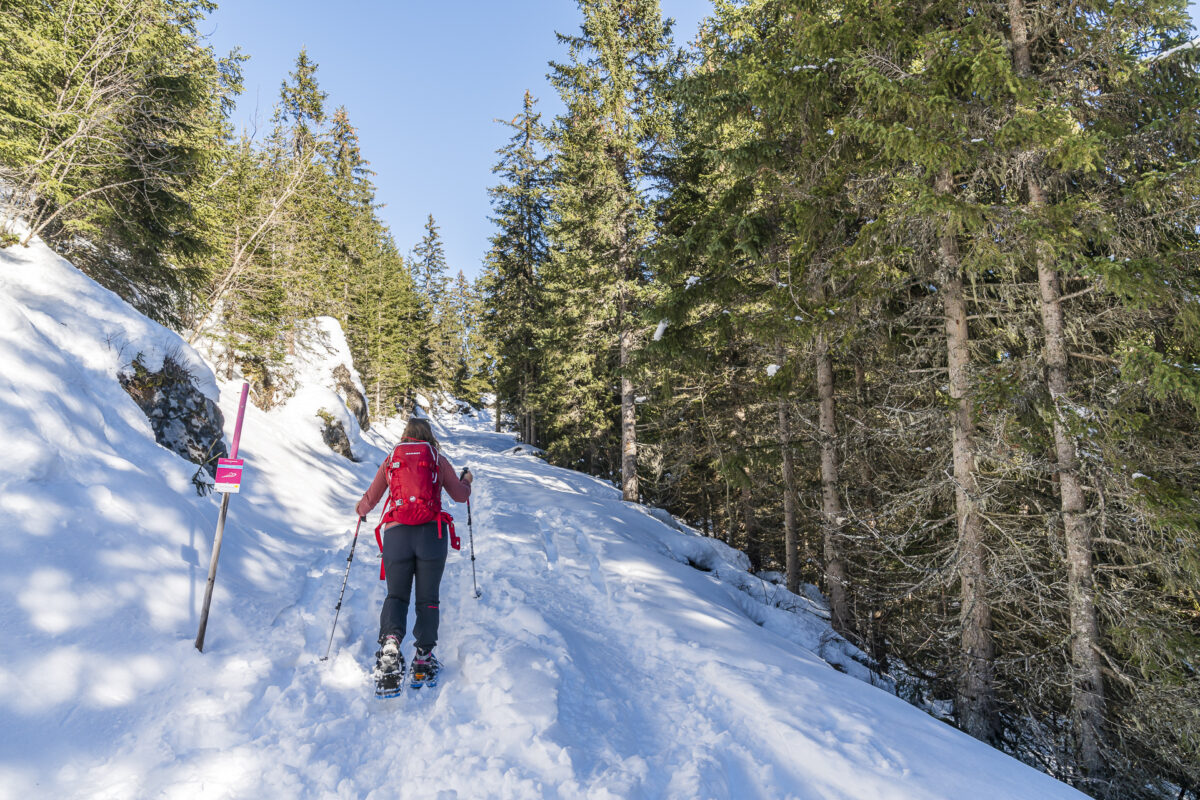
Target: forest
x=903 y=300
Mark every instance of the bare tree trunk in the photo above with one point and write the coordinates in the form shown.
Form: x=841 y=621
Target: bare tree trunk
x=976 y=689
x=1087 y=678
x=791 y=542
x=731 y=521
x=832 y=516
x=629 y=479
x=876 y=635
x=877 y=641
x=753 y=545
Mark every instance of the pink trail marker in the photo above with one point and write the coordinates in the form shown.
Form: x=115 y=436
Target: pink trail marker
x=229 y=474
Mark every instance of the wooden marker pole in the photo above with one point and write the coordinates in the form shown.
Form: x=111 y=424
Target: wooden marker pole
x=229 y=473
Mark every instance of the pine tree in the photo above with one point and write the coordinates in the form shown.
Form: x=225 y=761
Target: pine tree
x=109 y=113
x=473 y=368
x=270 y=275
x=758 y=251
x=1072 y=159
x=436 y=331
x=352 y=219
x=383 y=327
x=607 y=142
x=927 y=285
x=302 y=103
x=512 y=279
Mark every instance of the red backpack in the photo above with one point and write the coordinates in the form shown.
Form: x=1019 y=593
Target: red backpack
x=414 y=486
x=414 y=491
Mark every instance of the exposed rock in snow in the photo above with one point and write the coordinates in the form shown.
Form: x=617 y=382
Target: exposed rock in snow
x=334 y=434
x=184 y=419
x=329 y=399
x=352 y=396
x=525 y=449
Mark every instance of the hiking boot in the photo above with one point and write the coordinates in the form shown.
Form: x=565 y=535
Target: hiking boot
x=425 y=669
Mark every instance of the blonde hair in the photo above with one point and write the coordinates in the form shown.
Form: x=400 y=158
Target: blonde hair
x=420 y=429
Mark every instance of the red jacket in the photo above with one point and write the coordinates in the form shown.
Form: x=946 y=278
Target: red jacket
x=458 y=490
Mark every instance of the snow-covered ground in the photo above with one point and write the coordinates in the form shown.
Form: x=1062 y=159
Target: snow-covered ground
x=613 y=653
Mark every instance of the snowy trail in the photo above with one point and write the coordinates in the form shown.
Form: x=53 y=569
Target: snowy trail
x=588 y=668
x=613 y=654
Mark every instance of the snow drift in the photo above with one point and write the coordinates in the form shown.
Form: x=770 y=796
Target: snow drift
x=614 y=652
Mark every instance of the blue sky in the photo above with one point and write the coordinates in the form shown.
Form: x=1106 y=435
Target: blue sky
x=422 y=82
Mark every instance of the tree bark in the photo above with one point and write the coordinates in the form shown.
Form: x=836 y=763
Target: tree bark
x=629 y=479
x=1088 y=703
x=753 y=546
x=791 y=542
x=976 y=687
x=791 y=545
x=832 y=518
x=1087 y=679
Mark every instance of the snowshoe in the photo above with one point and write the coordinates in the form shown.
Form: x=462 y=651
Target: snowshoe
x=425 y=670
x=389 y=668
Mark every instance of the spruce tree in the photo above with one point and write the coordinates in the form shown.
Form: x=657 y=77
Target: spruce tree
x=352 y=221
x=383 y=326
x=512 y=278
x=473 y=367
x=608 y=140
x=1076 y=165
x=111 y=115
x=437 y=338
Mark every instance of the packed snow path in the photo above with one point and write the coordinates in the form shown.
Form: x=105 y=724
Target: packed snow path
x=611 y=655
x=596 y=664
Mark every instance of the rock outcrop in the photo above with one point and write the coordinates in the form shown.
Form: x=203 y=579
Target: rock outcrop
x=356 y=404
x=334 y=435
x=184 y=420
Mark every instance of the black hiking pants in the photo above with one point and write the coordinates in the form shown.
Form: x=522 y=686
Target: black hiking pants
x=413 y=554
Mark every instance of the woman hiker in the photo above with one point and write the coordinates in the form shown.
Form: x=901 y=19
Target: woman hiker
x=414 y=544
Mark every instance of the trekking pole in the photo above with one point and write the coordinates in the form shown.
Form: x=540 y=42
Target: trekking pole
x=338 y=610
x=471 y=539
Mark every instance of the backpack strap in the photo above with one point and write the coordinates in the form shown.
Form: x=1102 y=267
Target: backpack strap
x=387 y=506
x=444 y=518
x=379 y=536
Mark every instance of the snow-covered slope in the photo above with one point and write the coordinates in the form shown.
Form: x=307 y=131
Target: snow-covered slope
x=613 y=653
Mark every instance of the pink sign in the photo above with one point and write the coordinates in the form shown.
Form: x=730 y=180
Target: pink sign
x=229 y=475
